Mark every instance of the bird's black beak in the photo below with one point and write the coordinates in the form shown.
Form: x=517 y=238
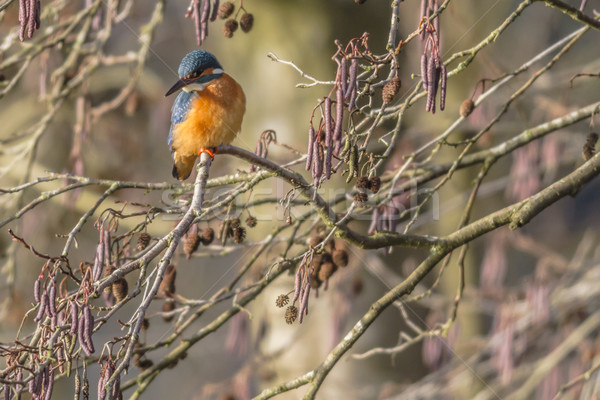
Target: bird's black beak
x=178 y=85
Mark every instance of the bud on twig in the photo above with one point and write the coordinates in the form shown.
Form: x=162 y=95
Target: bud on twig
x=466 y=108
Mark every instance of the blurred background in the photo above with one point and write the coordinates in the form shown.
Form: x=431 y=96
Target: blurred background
x=249 y=354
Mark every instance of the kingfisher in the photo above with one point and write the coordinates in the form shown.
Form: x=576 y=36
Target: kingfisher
x=207 y=113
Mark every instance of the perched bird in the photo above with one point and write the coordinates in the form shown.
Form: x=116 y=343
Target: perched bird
x=207 y=113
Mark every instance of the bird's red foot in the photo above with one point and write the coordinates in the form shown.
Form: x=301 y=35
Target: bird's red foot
x=210 y=152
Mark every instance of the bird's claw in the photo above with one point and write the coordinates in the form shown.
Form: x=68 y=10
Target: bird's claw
x=210 y=152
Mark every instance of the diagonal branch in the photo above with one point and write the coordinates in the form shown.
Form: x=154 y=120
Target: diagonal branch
x=173 y=241
x=573 y=12
x=508 y=215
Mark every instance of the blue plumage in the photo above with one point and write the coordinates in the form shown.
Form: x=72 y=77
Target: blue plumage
x=181 y=106
x=195 y=61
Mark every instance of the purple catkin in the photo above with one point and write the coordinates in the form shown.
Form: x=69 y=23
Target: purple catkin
x=52 y=300
x=107 y=240
x=303 y=309
x=23 y=17
x=98 y=261
x=195 y=14
x=310 y=150
x=423 y=11
x=430 y=104
x=49 y=384
x=204 y=20
x=31 y=16
x=339 y=117
x=82 y=342
x=22 y=11
x=374 y=218
x=116 y=390
x=443 y=79
x=35 y=385
x=88 y=324
x=19 y=377
x=352 y=79
x=102 y=382
x=327 y=118
x=42 y=309
x=436 y=24
x=297 y=285
x=435 y=82
x=424 y=76
x=352 y=101
x=328 y=137
x=317 y=161
x=36 y=290
x=74 y=318
x=215 y=9
x=391 y=220
x=343 y=75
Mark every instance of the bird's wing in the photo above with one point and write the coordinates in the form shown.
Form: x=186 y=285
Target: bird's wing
x=182 y=105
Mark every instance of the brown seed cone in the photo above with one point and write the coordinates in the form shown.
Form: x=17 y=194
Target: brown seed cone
x=375 y=184
x=239 y=234
x=291 y=313
x=315 y=263
x=142 y=363
x=120 y=289
x=361 y=199
x=167 y=286
x=234 y=223
x=191 y=243
x=282 y=300
x=230 y=27
x=168 y=306
x=315 y=240
x=330 y=247
x=208 y=235
x=246 y=22
x=363 y=183
x=327 y=269
x=315 y=282
x=340 y=258
x=145 y=324
x=107 y=272
x=390 y=90
x=143 y=241
x=225 y=10
x=251 y=221
x=466 y=108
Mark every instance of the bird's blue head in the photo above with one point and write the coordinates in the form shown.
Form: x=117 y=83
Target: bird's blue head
x=196 y=70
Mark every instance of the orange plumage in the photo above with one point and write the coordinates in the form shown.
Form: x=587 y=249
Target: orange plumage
x=214 y=118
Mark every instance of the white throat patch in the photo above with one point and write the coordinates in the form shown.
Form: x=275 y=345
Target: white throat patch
x=201 y=86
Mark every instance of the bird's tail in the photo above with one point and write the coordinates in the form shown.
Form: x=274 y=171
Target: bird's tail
x=182 y=165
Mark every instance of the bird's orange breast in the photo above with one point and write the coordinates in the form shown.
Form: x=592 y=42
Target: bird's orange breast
x=214 y=118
